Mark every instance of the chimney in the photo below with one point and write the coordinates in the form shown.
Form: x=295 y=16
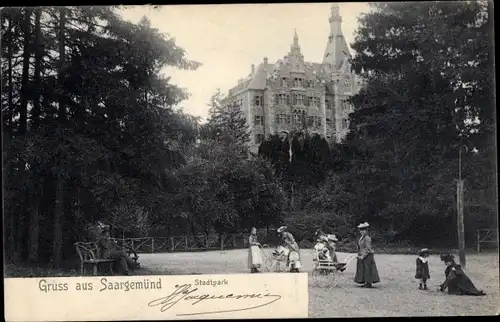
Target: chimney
x=265 y=60
x=253 y=69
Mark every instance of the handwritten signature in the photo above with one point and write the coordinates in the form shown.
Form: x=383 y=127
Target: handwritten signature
x=185 y=292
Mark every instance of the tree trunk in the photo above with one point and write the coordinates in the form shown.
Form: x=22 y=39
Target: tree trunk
x=60 y=185
x=23 y=113
x=9 y=217
x=11 y=87
x=34 y=224
x=34 y=197
x=58 y=220
x=38 y=60
x=62 y=59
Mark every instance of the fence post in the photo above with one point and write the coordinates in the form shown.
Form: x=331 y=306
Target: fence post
x=478 y=241
x=172 y=243
x=152 y=245
x=234 y=241
x=186 y=239
x=206 y=241
x=222 y=242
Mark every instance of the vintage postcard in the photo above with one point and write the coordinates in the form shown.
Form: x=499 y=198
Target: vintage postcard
x=251 y=161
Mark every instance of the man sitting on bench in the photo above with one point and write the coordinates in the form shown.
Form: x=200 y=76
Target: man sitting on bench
x=111 y=250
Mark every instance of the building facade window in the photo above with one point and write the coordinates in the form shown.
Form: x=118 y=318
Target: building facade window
x=282 y=99
x=296 y=119
x=328 y=122
x=282 y=119
x=315 y=101
x=299 y=99
x=347 y=84
x=328 y=104
x=344 y=106
x=284 y=82
x=258 y=120
x=345 y=123
x=297 y=82
x=258 y=100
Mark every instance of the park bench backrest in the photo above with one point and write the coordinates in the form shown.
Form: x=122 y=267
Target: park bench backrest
x=88 y=250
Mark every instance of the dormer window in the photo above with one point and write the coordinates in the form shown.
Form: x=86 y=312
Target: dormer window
x=297 y=82
x=284 y=82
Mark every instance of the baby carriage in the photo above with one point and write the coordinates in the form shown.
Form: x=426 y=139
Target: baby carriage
x=325 y=267
x=276 y=259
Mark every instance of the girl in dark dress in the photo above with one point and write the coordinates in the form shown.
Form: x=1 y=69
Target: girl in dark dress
x=366 y=269
x=422 y=272
x=456 y=281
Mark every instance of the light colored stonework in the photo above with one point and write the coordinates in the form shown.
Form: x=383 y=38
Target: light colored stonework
x=293 y=95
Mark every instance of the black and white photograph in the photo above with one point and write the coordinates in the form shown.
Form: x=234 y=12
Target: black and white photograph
x=351 y=142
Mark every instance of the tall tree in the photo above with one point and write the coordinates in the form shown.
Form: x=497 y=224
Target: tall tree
x=415 y=110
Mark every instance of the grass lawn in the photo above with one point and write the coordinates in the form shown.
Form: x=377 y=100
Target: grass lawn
x=396 y=295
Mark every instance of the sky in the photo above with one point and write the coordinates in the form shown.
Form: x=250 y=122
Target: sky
x=228 y=39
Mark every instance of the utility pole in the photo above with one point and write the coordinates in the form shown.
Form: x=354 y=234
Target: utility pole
x=460 y=210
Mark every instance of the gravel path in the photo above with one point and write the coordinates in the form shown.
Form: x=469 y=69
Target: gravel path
x=396 y=295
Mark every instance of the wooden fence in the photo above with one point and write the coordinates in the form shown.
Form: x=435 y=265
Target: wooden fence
x=184 y=243
x=486 y=236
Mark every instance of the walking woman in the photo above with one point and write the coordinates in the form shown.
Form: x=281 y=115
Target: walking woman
x=289 y=242
x=254 y=255
x=366 y=270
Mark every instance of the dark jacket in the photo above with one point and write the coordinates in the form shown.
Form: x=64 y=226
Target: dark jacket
x=458 y=283
x=106 y=246
x=422 y=271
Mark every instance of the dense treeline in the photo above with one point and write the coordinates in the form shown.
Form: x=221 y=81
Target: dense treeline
x=428 y=92
x=90 y=133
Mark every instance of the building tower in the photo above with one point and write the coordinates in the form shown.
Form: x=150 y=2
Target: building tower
x=293 y=95
x=337 y=69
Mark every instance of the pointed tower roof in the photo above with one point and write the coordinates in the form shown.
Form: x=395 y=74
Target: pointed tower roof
x=336 y=49
x=295 y=48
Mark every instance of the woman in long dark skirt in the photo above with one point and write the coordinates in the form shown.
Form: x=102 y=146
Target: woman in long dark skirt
x=366 y=270
x=456 y=281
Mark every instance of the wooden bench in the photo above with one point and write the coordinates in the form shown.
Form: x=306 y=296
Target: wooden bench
x=90 y=255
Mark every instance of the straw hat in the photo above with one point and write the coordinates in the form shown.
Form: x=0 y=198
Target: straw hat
x=363 y=225
x=281 y=229
x=423 y=251
x=332 y=237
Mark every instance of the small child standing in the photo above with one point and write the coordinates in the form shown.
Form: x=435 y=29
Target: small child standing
x=423 y=268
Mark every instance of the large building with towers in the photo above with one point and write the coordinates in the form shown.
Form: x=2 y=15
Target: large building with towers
x=295 y=96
